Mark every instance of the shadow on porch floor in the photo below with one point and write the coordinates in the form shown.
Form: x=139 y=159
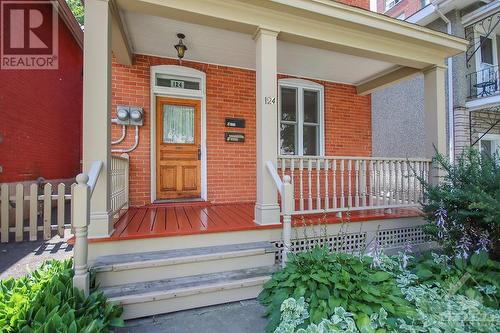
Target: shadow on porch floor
x=163 y=220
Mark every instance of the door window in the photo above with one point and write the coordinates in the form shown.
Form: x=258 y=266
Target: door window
x=178 y=124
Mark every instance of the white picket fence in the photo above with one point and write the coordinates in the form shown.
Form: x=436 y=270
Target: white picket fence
x=42 y=200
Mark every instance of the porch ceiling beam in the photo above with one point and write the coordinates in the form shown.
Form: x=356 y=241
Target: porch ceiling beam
x=338 y=28
x=119 y=41
x=385 y=80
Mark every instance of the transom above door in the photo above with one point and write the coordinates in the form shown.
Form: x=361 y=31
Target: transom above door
x=178 y=149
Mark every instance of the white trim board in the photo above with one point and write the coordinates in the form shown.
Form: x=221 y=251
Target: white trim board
x=186 y=72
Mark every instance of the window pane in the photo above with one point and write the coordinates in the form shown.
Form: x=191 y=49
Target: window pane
x=288 y=104
x=287 y=137
x=486 y=147
x=310 y=140
x=486 y=50
x=311 y=106
x=178 y=124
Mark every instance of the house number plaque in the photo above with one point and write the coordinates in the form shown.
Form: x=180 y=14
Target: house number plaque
x=234 y=137
x=235 y=122
x=270 y=100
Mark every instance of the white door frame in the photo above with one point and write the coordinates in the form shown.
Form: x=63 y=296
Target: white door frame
x=186 y=73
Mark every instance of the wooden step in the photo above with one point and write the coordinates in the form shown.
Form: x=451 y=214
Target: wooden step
x=149 y=266
x=163 y=296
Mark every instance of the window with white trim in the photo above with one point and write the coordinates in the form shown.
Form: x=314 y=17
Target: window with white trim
x=391 y=3
x=301 y=118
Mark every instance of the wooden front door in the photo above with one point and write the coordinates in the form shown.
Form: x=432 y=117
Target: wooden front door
x=178 y=154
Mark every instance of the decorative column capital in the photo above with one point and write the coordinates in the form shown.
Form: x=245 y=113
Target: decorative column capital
x=265 y=31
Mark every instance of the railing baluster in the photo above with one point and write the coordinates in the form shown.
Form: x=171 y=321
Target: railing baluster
x=327 y=199
x=349 y=182
x=396 y=182
x=342 y=195
x=415 y=184
x=301 y=179
x=61 y=191
x=309 y=183
x=408 y=188
x=318 y=185
x=363 y=182
x=356 y=171
x=390 y=192
x=371 y=189
x=334 y=167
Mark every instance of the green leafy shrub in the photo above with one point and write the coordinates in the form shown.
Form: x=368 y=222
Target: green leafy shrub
x=463 y=210
x=45 y=301
x=477 y=277
x=330 y=280
x=295 y=312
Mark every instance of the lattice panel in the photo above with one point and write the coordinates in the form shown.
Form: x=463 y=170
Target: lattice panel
x=393 y=238
x=353 y=242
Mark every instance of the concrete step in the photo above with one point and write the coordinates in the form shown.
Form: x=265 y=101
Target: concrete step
x=169 y=295
x=150 y=266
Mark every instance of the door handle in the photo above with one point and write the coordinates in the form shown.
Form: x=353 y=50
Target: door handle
x=199 y=152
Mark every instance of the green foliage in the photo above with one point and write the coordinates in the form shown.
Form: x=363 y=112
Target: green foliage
x=77 y=9
x=45 y=301
x=330 y=280
x=477 y=277
x=463 y=210
x=294 y=312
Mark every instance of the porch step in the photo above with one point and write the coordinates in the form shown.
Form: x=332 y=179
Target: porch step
x=123 y=269
x=163 y=296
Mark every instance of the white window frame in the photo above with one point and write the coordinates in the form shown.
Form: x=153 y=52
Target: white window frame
x=495 y=138
x=391 y=3
x=300 y=85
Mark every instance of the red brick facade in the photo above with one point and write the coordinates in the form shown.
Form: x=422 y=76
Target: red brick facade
x=406 y=7
x=357 y=3
x=230 y=92
x=41 y=117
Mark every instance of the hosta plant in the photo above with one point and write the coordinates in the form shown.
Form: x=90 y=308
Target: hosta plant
x=330 y=280
x=45 y=301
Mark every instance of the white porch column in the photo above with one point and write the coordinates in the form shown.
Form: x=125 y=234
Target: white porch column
x=435 y=112
x=267 y=210
x=97 y=109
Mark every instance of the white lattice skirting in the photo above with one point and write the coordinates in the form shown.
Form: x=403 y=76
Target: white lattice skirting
x=390 y=235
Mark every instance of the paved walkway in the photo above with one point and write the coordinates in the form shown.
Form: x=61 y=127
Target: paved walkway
x=238 y=317
x=16 y=259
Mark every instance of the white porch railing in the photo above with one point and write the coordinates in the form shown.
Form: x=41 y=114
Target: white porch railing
x=82 y=193
x=336 y=184
x=311 y=185
x=119 y=183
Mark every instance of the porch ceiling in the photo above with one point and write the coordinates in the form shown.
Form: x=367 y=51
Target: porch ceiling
x=317 y=38
x=153 y=35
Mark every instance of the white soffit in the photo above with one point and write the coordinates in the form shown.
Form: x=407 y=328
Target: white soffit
x=153 y=35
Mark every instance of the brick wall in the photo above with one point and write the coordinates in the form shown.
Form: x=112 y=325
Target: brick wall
x=408 y=7
x=41 y=117
x=357 y=3
x=231 y=93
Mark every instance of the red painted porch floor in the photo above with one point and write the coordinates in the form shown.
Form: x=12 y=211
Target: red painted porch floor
x=163 y=220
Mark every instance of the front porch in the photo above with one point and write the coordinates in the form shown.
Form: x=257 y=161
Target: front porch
x=173 y=220
x=266 y=122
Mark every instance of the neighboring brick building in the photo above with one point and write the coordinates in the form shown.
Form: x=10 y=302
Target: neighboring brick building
x=231 y=168
x=41 y=113
x=401 y=9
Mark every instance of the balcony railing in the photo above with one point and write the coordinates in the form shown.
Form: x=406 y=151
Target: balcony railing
x=483 y=83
